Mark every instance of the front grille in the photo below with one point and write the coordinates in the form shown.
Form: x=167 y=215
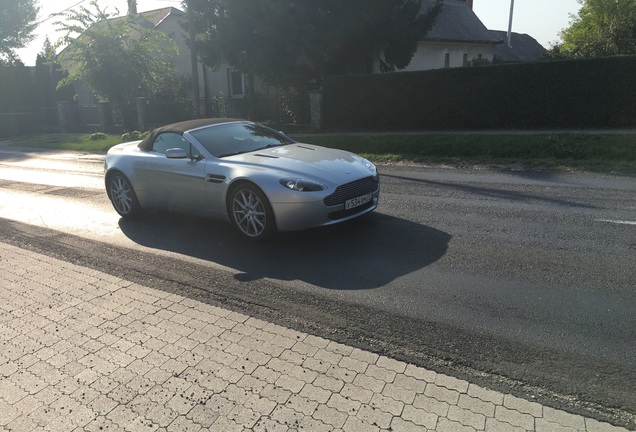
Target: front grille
x=352 y=190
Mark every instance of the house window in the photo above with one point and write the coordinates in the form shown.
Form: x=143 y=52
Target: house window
x=465 y=60
x=237 y=83
x=447 y=60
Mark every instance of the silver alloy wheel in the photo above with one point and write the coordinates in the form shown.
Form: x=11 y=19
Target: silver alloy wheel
x=249 y=212
x=122 y=195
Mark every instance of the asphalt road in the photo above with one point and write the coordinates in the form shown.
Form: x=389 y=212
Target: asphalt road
x=522 y=281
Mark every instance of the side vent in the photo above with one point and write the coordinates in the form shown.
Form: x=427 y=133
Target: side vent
x=215 y=178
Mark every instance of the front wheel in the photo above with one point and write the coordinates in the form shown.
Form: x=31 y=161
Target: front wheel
x=122 y=195
x=250 y=212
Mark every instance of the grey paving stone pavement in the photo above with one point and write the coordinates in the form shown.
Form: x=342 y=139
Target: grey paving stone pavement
x=81 y=350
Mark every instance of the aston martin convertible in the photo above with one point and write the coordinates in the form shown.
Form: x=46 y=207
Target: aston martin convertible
x=258 y=179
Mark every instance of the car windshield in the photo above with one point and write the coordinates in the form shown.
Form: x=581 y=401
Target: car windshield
x=236 y=138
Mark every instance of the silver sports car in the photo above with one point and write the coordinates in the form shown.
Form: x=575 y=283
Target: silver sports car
x=258 y=179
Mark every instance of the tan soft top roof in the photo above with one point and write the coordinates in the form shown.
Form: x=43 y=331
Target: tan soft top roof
x=181 y=128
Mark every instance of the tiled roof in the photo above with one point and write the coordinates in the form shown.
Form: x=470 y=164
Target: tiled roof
x=524 y=47
x=155 y=17
x=151 y=19
x=456 y=21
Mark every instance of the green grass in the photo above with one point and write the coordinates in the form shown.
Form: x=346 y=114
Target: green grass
x=75 y=142
x=559 y=151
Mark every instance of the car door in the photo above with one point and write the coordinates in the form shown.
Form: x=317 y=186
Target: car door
x=176 y=183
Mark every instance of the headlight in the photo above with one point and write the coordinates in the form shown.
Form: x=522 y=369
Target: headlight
x=302 y=185
x=371 y=167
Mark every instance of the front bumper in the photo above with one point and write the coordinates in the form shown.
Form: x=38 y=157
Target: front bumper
x=310 y=214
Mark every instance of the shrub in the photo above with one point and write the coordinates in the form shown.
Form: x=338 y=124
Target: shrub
x=97 y=136
x=133 y=136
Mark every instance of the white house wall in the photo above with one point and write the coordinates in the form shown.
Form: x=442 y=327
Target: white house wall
x=182 y=61
x=215 y=80
x=432 y=55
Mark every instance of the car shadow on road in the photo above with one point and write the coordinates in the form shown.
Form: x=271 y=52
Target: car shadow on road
x=364 y=253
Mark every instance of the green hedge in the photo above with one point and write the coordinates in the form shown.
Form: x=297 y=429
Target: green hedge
x=28 y=98
x=596 y=93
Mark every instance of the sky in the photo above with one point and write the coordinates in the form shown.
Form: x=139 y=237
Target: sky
x=541 y=19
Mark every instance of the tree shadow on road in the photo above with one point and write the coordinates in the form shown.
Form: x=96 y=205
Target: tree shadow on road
x=365 y=253
x=503 y=192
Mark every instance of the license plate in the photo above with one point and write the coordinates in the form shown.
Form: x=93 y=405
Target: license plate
x=357 y=202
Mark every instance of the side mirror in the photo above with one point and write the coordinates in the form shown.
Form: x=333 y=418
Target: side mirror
x=176 y=153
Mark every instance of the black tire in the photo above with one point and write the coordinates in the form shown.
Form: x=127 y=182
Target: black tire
x=250 y=212
x=122 y=196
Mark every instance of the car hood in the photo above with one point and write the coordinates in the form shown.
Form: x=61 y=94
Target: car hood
x=306 y=160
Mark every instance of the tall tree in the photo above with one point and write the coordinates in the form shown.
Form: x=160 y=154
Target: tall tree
x=601 y=28
x=18 y=20
x=118 y=59
x=48 y=52
x=295 y=42
x=74 y=22
x=132 y=7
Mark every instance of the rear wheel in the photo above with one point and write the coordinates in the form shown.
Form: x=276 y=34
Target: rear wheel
x=122 y=195
x=250 y=212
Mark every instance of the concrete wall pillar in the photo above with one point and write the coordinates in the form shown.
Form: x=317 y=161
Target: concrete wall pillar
x=68 y=115
x=142 y=112
x=105 y=113
x=315 y=104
